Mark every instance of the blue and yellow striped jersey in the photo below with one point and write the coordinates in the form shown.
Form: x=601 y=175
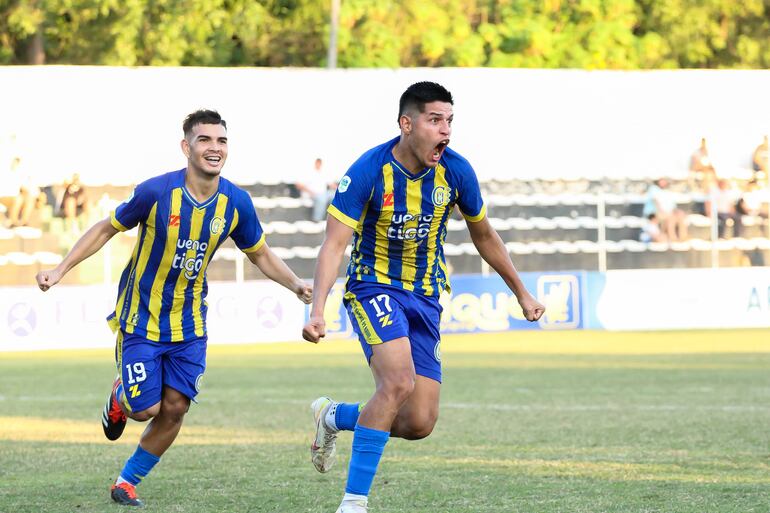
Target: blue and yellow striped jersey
x=400 y=219
x=162 y=290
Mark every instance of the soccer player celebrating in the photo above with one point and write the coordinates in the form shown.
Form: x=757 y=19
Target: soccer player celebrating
x=160 y=316
x=395 y=201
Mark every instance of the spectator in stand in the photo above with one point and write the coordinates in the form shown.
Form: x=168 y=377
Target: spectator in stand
x=74 y=203
x=651 y=230
x=29 y=197
x=661 y=202
x=754 y=201
x=701 y=166
x=723 y=199
x=319 y=187
x=759 y=161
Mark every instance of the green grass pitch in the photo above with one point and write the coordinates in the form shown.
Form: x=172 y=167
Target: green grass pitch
x=530 y=422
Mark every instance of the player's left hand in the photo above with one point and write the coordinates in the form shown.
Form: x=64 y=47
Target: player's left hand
x=531 y=308
x=47 y=279
x=304 y=292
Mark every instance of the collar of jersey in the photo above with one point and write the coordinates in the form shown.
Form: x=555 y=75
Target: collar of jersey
x=409 y=175
x=195 y=202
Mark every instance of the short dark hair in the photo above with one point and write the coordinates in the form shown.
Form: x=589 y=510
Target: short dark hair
x=417 y=95
x=202 y=116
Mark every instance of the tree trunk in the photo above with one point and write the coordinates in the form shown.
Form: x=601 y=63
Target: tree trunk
x=36 y=48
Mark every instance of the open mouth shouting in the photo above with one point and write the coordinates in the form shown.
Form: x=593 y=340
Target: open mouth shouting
x=438 y=150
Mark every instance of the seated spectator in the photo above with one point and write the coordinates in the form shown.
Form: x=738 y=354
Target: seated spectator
x=701 y=166
x=320 y=188
x=661 y=202
x=74 y=203
x=9 y=189
x=722 y=202
x=651 y=230
x=754 y=201
x=759 y=161
x=28 y=198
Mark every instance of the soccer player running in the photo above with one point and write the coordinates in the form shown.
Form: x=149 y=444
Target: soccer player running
x=395 y=201
x=160 y=316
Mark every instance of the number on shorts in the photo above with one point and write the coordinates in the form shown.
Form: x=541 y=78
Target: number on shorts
x=385 y=299
x=138 y=369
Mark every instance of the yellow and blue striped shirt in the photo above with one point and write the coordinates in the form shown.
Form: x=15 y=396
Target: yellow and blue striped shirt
x=400 y=219
x=162 y=291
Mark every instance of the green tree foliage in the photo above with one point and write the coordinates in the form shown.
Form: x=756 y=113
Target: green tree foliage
x=588 y=34
x=707 y=33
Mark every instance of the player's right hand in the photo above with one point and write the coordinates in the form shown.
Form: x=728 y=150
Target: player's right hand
x=47 y=279
x=532 y=308
x=314 y=329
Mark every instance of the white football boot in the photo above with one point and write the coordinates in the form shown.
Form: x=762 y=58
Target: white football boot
x=352 y=507
x=324 y=448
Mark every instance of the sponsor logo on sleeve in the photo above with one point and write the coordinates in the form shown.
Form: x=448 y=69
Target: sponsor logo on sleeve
x=344 y=183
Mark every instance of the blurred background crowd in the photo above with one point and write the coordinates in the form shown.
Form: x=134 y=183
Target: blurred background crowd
x=646 y=148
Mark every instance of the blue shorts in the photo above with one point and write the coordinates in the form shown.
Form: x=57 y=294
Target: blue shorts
x=146 y=367
x=380 y=313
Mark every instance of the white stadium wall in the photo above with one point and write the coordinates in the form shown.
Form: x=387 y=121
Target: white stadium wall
x=68 y=317
x=74 y=316
x=669 y=299
x=122 y=125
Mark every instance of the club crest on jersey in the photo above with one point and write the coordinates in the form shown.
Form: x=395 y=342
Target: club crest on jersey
x=173 y=220
x=216 y=225
x=441 y=196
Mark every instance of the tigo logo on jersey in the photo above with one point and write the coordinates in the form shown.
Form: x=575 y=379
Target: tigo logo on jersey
x=344 y=183
x=441 y=196
x=399 y=231
x=190 y=265
x=387 y=199
x=216 y=225
x=173 y=220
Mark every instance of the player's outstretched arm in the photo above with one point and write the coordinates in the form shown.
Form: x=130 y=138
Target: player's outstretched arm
x=277 y=270
x=337 y=237
x=493 y=250
x=91 y=242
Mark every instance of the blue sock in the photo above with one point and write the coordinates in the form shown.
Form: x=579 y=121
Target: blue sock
x=346 y=415
x=368 y=445
x=138 y=466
